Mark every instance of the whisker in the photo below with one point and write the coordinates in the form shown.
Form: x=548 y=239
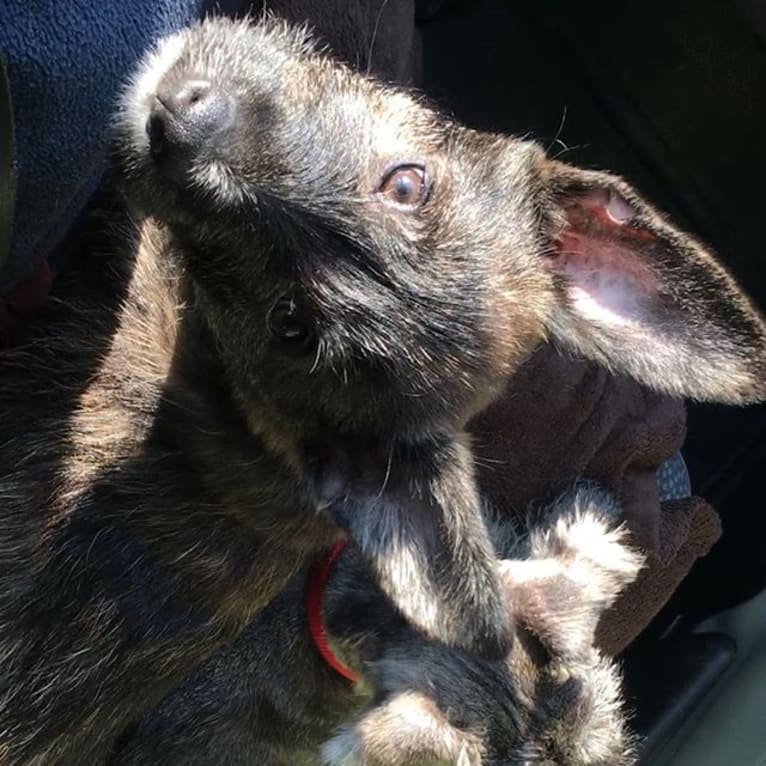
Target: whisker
x=569 y=149
x=375 y=34
x=557 y=137
x=388 y=473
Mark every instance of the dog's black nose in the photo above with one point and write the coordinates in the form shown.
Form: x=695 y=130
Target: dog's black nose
x=183 y=121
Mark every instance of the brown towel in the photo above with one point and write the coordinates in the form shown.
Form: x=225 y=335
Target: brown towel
x=563 y=418
x=688 y=530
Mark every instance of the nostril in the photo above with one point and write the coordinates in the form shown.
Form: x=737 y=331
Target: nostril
x=189 y=113
x=196 y=93
x=155 y=130
x=186 y=122
x=178 y=98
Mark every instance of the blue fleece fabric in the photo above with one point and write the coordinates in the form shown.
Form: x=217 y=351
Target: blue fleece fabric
x=66 y=62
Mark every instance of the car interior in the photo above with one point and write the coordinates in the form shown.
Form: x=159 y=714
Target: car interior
x=670 y=95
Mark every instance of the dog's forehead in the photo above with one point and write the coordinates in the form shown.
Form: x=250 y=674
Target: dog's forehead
x=271 y=60
x=236 y=44
x=392 y=124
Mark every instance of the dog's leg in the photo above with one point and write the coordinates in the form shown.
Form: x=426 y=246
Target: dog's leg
x=408 y=730
x=579 y=562
x=416 y=517
x=565 y=705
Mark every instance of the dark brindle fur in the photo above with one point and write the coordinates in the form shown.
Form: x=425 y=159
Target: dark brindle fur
x=554 y=701
x=168 y=468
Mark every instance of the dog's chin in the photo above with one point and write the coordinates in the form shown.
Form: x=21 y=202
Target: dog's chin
x=151 y=193
x=149 y=197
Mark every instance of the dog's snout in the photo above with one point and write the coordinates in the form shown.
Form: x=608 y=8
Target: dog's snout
x=184 y=119
x=186 y=98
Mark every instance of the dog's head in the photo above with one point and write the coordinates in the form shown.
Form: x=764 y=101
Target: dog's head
x=370 y=266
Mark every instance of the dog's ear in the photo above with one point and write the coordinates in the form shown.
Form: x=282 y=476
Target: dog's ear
x=641 y=297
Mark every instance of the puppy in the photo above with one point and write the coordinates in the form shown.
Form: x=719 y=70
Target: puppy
x=328 y=280
x=379 y=291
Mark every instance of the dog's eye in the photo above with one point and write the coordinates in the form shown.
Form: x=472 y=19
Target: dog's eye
x=405 y=186
x=290 y=324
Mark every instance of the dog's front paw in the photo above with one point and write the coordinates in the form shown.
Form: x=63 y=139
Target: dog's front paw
x=579 y=562
x=583 y=535
x=407 y=730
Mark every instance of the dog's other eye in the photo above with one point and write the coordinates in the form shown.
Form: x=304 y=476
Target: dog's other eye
x=405 y=186
x=290 y=325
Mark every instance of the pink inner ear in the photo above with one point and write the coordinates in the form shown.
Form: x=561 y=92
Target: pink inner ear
x=600 y=253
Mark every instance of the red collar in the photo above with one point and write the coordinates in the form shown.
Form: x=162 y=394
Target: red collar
x=315 y=588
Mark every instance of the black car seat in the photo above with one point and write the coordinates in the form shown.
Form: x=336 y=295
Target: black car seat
x=7 y=190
